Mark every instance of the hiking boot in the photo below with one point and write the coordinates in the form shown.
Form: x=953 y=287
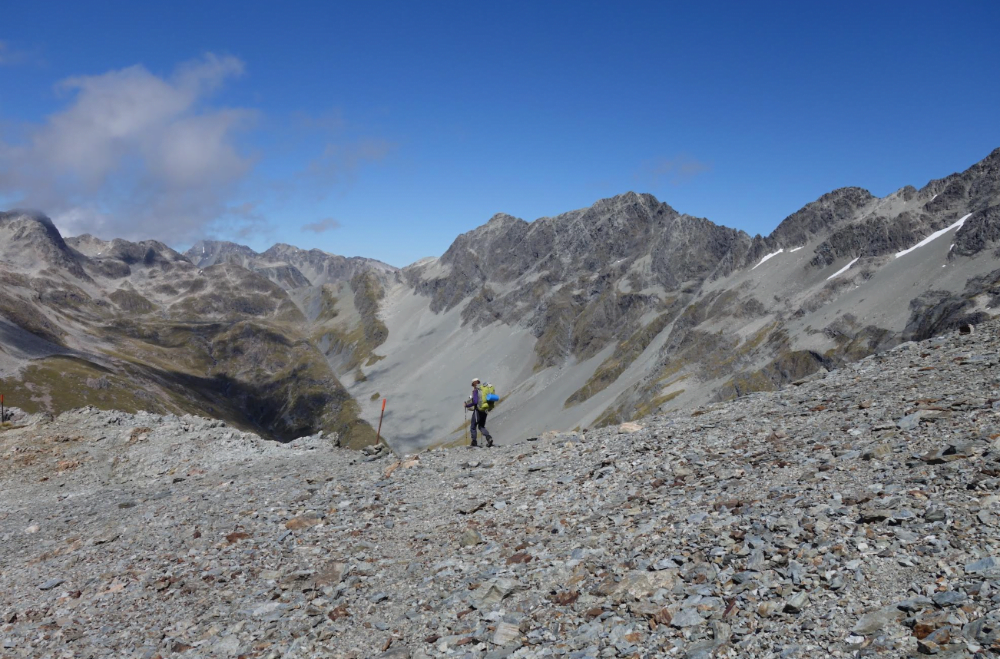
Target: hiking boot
x=489 y=442
x=474 y=445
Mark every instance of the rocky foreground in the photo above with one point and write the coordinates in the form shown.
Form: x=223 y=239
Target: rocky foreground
x=852 y=515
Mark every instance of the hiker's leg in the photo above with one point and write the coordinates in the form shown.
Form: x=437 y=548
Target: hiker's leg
x=473 y=428
x=482 y=424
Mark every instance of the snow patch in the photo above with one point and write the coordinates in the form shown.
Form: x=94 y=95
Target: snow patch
x=767 y=257
x=795 y=249
x=932 y=198
x=935 y=235
x=843 y=270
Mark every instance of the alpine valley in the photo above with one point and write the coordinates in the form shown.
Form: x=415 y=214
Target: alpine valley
x=593 y=317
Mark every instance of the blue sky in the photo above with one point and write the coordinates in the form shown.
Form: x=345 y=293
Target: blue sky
x=385 y=129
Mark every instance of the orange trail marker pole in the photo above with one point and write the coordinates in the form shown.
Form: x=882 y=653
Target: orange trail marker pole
x=378 y=435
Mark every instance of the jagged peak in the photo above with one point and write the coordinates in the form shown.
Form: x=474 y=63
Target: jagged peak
x=848 y=192
x=629 y=198
x=504 y=218
x=830 y=209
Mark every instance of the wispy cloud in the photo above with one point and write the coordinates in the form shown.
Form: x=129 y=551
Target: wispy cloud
x=8 y=55
x=331 y=121
x=133 y=154
x=338 y=165
x=673 y=171
x=324 y=225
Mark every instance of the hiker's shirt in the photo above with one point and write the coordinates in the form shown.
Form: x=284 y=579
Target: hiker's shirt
x=474 y=403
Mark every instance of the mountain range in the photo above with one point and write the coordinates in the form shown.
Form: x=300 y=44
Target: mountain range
x=592 y=317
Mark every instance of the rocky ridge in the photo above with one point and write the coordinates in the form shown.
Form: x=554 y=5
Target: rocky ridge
x=139 y=326
x=589 y=318
x=853 y=513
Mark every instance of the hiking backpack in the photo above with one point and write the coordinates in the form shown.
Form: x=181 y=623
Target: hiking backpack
x=487 y=397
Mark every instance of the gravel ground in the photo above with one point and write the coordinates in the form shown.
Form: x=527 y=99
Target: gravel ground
x=854 y=514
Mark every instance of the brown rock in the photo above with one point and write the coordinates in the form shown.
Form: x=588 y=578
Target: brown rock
x=338 y=612
x=566 y=597
x=236 y=536
x=519 y=557
x=303 y=522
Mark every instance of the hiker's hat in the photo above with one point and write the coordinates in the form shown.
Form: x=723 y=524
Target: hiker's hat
x=476 y=381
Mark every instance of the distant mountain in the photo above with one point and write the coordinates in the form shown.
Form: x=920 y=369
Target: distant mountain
x=123 y=325
x=590 y=317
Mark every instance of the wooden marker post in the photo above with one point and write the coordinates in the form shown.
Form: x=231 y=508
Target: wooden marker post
x=378 y=435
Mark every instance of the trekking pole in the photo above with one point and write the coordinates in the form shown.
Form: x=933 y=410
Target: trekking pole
x=3 y=415
x=378 y=435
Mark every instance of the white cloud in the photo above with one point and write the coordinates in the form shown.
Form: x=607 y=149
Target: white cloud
x=328 y=224
x=133 y=155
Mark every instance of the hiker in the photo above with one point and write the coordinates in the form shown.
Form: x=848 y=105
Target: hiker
x=477 y=403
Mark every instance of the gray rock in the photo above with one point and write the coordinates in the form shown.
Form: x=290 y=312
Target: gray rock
x=796 y=602
x=982 y=565
x=506 y=634
x=875 y=621
x=687 y=618
x=949 y=598
x=470 y=538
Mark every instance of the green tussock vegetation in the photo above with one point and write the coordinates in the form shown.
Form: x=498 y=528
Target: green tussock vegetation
x=786 y=367
x=356 y=345
x=327 y=304
x=709 y=355
x=27 y=317
x=614 y=415
x=581 y=327
x=625 y=354
x=131 y=301
x=552 y=345
x=62 y=382
x=15 y=279
x=790 y=365
x=646 y=408
x=260 y=377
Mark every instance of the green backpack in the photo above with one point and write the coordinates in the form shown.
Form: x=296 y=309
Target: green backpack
x=487 y=398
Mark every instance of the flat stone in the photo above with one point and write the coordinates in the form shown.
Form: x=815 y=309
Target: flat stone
x=874 y=621
x=982 y=565
x=506 y=633
x=51 y=583
x=687 y=618
x=915 y=604
x=949 y=598
x=910 y=421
